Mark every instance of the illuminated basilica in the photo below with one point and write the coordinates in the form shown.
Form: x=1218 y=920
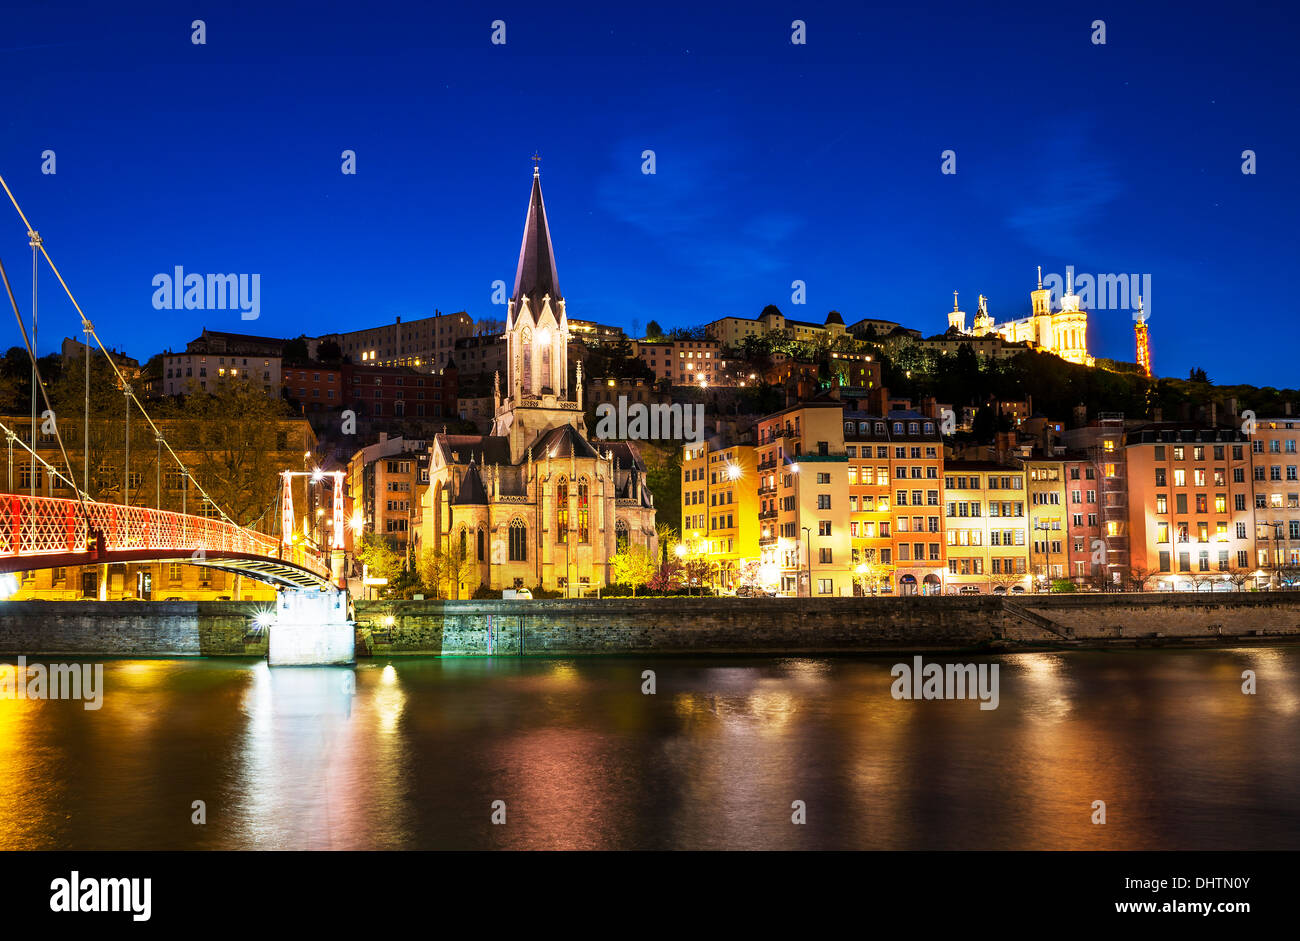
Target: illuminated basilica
x=1063 y=332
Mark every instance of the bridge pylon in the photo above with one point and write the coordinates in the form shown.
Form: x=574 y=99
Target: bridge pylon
x=312 y=627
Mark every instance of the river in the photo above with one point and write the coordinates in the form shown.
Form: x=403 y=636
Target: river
x=414 y=753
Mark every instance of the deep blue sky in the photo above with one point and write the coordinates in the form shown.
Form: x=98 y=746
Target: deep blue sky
x=775 y=162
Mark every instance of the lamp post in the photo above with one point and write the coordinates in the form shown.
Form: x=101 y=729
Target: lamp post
x=1040 y=525
x=807 y=537
x=794 y=470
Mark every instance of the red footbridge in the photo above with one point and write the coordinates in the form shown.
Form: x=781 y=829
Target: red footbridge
x=49 y=532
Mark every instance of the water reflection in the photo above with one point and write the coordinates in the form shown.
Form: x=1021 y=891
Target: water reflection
x=413 y=753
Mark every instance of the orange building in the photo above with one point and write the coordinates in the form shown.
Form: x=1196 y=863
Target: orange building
x=1190 y=505
x=895 y=476
x=1276 y=528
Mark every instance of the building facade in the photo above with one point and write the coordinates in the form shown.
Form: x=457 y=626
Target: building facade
x=423 y=344
x=987 y=528
x=1190 y=502
x=1274 y=460
x=215 y=355
x=804 y=544
x=720 y=522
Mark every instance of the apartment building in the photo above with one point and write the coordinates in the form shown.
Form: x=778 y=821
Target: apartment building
x=386 y=481
x=732 y=331
x=720 y=523
x=1048 y=520
x=423 y=344
x=214 y=355
x=804 y=542
x=895 y=472
x=684 y=362
x=1190 y=503
x=1276 y=504
x=1083 y=535
x=401 y=391
x=987 y=528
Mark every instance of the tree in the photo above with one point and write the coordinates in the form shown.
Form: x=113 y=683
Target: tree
x=871 y=572
x=634 y=566
x=653 y=331
x=668 y=577
x=295 y=351
x=442 y=572
x=237 y=426
x=1240 y=578
x=379 y=557
x=1139 y=576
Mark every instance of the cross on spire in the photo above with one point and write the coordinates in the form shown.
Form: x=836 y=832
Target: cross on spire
x=537 y=159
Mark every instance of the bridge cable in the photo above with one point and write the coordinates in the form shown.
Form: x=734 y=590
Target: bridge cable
x=36 y=371
x=89 y=328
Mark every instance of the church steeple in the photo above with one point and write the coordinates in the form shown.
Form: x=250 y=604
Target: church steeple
x=537 y=329
x=535 y=276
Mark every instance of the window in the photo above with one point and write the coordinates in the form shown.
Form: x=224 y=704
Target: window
x=584 y=532
x=518 y=541
x=562 y=511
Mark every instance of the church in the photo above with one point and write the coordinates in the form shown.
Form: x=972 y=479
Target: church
x=1063 y=332
x=534 y=501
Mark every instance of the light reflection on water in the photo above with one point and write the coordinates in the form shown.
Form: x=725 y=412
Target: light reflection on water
x=412 y=754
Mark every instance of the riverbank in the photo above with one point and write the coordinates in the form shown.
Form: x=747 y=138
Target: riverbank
x=780 y=626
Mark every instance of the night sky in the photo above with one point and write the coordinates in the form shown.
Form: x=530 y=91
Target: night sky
x=775 y=162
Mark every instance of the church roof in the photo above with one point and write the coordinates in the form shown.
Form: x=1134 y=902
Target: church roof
x=472 y=492
x=477 y=449
x=562 y=441
x=535 y=275
x=626 y=454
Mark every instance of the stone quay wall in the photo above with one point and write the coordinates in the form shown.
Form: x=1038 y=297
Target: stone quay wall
x=131 y=628
x=667 y=626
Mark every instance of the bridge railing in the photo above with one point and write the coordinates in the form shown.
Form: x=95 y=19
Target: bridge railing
x=36 y=526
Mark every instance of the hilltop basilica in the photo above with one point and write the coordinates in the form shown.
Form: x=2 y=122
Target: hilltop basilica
x=534 y=502
x=1063 y=332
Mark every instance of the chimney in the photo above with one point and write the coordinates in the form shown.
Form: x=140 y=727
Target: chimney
x=383 y=436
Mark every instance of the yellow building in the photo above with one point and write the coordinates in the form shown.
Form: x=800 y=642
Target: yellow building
x=804 y=500
x=987 y=528
x=1048 y=552
x=1063 y=332
x=720 y=521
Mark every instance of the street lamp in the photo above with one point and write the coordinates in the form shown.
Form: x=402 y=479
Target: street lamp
x=807 y=536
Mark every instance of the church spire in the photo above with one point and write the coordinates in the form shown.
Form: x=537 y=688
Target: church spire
x=535 y=276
